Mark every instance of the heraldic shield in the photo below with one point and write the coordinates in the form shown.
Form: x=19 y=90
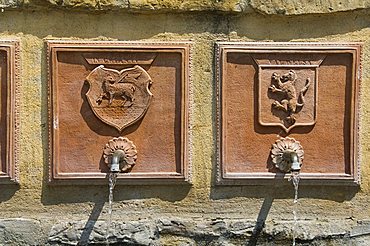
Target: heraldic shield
x=287 y=89
x=119 y=98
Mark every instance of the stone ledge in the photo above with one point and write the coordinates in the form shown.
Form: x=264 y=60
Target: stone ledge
x=274 y=7
x=82 y=233
x=218 y=231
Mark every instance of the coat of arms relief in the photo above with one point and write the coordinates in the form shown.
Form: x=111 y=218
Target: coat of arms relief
x=292 y=101
x=119 y=98
x=287 y=90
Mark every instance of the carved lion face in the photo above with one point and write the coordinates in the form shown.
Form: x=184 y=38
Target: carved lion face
x=290 y=76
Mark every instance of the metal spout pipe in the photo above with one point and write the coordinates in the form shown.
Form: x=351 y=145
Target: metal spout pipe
x=291 y=160
x=117 y=158
x=296 y=166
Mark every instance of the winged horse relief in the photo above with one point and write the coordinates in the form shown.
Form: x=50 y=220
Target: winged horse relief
x=122 y=88
x=119 y=97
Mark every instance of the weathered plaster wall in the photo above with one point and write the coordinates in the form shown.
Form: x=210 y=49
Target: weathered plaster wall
x=35 y=213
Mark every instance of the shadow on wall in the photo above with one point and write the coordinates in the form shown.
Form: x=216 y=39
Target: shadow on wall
x=261 y=219
x=89 y=226
x=52 y=195
x=285 y=191
x=8 y=191
x=126 y=26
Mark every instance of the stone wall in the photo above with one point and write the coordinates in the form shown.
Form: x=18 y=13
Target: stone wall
x=35 y=213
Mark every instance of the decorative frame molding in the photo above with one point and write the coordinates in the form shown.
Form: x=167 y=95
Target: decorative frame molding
x=12 y=50
x=184 y=175
x=268 y=178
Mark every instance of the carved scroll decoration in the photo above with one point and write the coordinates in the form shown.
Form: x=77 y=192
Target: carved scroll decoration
x=119 y=98
x=128 y=147
x=280 y=153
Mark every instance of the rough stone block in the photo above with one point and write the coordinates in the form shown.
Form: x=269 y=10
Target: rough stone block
x=21 y=232
x=82 y=233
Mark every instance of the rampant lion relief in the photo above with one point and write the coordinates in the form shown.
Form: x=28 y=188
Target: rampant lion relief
x=290 y=102
x=119 y=98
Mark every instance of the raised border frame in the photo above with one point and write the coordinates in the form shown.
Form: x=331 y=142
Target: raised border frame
x=183 y=177
x=12 y=49
x=223 y=178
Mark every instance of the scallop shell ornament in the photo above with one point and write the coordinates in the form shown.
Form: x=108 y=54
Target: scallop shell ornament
x=279 y=150
x=127 y=146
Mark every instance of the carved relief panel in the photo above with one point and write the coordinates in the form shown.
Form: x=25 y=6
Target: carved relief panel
x=9 y=81
x=287 y=89
x=306 y=92
x=106 y=96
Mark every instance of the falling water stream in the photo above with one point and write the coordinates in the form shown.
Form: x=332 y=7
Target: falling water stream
x=112 y=183
x=295 y=180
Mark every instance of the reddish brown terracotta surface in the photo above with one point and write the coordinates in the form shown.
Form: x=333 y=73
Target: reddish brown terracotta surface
x=78 y=136
x=9 y=76
x=249 y=122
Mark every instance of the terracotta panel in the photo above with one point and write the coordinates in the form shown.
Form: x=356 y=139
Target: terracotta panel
x=252 y=115
x=9 y=78
x=82 y=122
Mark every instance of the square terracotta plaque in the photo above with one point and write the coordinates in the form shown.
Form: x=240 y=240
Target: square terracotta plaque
x=9 y=77
x=102 y=91
x=305 y=93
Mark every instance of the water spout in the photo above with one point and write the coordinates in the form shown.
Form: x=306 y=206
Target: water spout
x=296 y=166
x=120 y=155
x=118 y=158
x=287 y=154
x=292 y=160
